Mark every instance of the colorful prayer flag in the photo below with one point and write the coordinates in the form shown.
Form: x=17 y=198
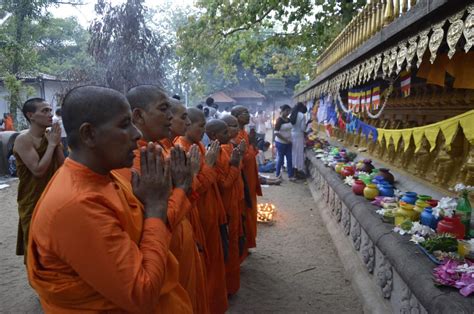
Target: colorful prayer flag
x=406 y=83
x=368 y=95
x=376 y=97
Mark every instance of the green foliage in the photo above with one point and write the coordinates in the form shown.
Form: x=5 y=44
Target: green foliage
x=17 y=95
x=261 y=38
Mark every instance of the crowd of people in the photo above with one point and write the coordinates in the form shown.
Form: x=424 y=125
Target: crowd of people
x=141 y=216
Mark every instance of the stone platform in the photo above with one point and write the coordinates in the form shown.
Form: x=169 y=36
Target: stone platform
x=389 y=273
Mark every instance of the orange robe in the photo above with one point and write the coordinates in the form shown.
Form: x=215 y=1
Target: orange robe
x=250 y=170
x=183 y=240
x=231 y=187
x=212 y=216
x=9 y=124
x=91 y=250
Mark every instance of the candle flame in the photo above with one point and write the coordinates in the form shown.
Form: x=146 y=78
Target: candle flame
x=265 y=212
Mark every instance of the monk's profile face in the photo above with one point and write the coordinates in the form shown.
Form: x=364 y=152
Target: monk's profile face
x=196 y=130
x=156 y=120
x=43 y=115
x=222 y=135
x=180 y=121
x=116 y=139
x=243 y=117
x=233 y=126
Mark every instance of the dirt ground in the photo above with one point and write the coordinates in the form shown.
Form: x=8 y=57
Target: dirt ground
x=294 y=269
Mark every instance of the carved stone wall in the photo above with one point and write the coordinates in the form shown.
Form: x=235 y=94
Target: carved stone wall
x=398 y=270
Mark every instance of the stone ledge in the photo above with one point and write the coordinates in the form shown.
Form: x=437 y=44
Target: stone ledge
x=401 y=271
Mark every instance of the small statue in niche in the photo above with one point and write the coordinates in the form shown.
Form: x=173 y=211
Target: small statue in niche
x=467 y=169
x=422 y=158
x=444 y=166
x=407 y=157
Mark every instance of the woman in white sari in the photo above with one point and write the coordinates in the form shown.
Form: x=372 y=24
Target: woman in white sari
x=298 y=121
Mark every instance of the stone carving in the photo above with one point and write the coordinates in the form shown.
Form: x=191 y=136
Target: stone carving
x=469 y=28
x=355 y=234
x=409 y=304
x=467 y=170
x=444 y=164
x=385 y=66
x=393 y=60
x=368 y=253
x=384 y=277
x=422 y=158
x=422 y=45
x=436 y=39
x=338 y=212
x=346 y=220
x=454 y=32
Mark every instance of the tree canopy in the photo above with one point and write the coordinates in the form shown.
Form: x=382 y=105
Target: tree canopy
x=231 y=39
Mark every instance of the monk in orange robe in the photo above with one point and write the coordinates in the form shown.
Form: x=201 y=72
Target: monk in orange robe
x=97 y=243
x=231 y=188
x=152 y=116
x=210 y=207
x=7 y=118
x=250 y=170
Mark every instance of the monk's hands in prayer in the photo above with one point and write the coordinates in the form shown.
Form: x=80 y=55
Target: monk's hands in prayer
x=181 y=171
x=242 y=147
x=53 y=135
x=153 y=186
x=194 y=156
x=213 y=153
x=235 y=157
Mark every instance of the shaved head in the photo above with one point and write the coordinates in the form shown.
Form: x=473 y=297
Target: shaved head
x=176 y=105
x=90 y=104
x=230 y=120
x=195 y=115
x=215 y=126
x=143 y=95
x=237 y=110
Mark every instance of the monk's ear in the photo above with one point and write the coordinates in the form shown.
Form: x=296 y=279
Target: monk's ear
x=87 y=135
x=138 y=116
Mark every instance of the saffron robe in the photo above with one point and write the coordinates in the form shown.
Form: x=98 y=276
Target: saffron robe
x=250 y=170
x=29 y=191
x=91 y=251
x=183 y=241
x=231 y=187
x=212 y=216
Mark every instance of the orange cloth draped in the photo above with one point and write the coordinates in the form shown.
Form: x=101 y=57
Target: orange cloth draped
x=91 y=251
x=9 y=124
x=184 y=247
x=250 y=170
x=212 y=216
x=231 y=187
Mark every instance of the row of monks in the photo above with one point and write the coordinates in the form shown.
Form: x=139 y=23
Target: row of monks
x=141 y=217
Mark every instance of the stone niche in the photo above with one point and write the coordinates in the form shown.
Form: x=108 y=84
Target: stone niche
x=398 y=272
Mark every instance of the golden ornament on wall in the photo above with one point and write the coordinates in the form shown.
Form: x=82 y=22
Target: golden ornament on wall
x=411 y=51
x=469 y=28
x=436 y=40
x=393 y=60
x=385 y=63
x=454 y=32
x=422 y=45
x=361 y=73
x=401 y=57
x=378 y=62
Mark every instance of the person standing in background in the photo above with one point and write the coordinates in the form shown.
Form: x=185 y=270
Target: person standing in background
x=283 y=142
x=298 y=122
x=260 y=124
x=38 y=155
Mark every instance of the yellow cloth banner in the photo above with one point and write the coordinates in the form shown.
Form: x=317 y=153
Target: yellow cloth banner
x=448 y=128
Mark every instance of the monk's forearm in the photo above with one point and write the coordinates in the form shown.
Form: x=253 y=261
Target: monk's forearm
x=44 y=162
x=204 y=180
x=59 y=154
x=178 y=207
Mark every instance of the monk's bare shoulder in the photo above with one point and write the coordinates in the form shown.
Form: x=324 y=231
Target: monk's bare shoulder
x=23 y=140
